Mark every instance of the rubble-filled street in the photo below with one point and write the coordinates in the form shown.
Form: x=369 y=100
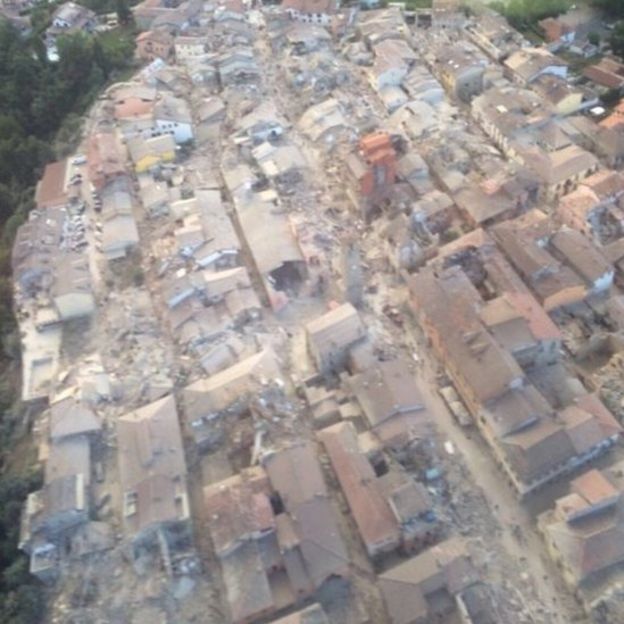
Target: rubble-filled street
x=325 y=316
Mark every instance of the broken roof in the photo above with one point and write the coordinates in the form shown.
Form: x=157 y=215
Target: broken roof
x=104 y=157
x=158 y=146
x=170 y=108
x=529 y=63
x=238 y=509
x=277 y=160
x=407 y=586
x=578 y=204
x=607 y=184
x=60 y=504
x=207 y=397
x=321 y=121
x=295 y=474
x=449 y=301
x=69 y=417
x=579 y=252
x=377 y=525
x=554 y=89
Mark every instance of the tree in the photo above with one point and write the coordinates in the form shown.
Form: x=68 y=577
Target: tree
x=614 y=8
x=594 y=38
x=617 y=39
x=524 y=14
x=124 y=15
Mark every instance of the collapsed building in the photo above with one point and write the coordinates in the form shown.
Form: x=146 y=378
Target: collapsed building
x=228 y=391
x=59 y=514
x=433 y=584
x=274 y=530
x=372 y=172
x=561 y=266
x=391 y=510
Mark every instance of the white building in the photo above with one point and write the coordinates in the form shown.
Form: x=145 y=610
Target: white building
x=173 y=116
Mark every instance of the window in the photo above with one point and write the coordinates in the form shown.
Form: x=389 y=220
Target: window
x=276 y=504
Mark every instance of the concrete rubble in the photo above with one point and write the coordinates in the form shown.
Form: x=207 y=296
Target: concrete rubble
x=323 y=319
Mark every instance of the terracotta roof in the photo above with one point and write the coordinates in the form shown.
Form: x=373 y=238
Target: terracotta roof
x=606 y=184
x=608 y=72
x=51 y=190
x=295 y=474
x=104 y=158
x=579 y=252
x=587 y=526
x=561 y=165
x=554 y=88
x=554 y=29
x=535 y=451
x=376 y=523
x=407 y=586
x=386 y=390
x=238 y=509
x=578 y=203
x=594 y=487
x=132 y=106
x=448 y=301
x=247 y=589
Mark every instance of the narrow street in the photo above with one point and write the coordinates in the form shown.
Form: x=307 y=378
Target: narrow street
x=522 y=545
x=525 y=547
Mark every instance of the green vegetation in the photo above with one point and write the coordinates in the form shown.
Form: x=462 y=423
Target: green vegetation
x=412 y=5
x=617 y=39
x=615 y=8
x=21 y=598
x=525 y=14
x=41 y=108
x=37 y=99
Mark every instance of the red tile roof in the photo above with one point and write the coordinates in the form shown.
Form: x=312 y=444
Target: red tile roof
x=51 y=188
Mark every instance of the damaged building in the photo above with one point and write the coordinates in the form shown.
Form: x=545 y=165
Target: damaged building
x=273 y=529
